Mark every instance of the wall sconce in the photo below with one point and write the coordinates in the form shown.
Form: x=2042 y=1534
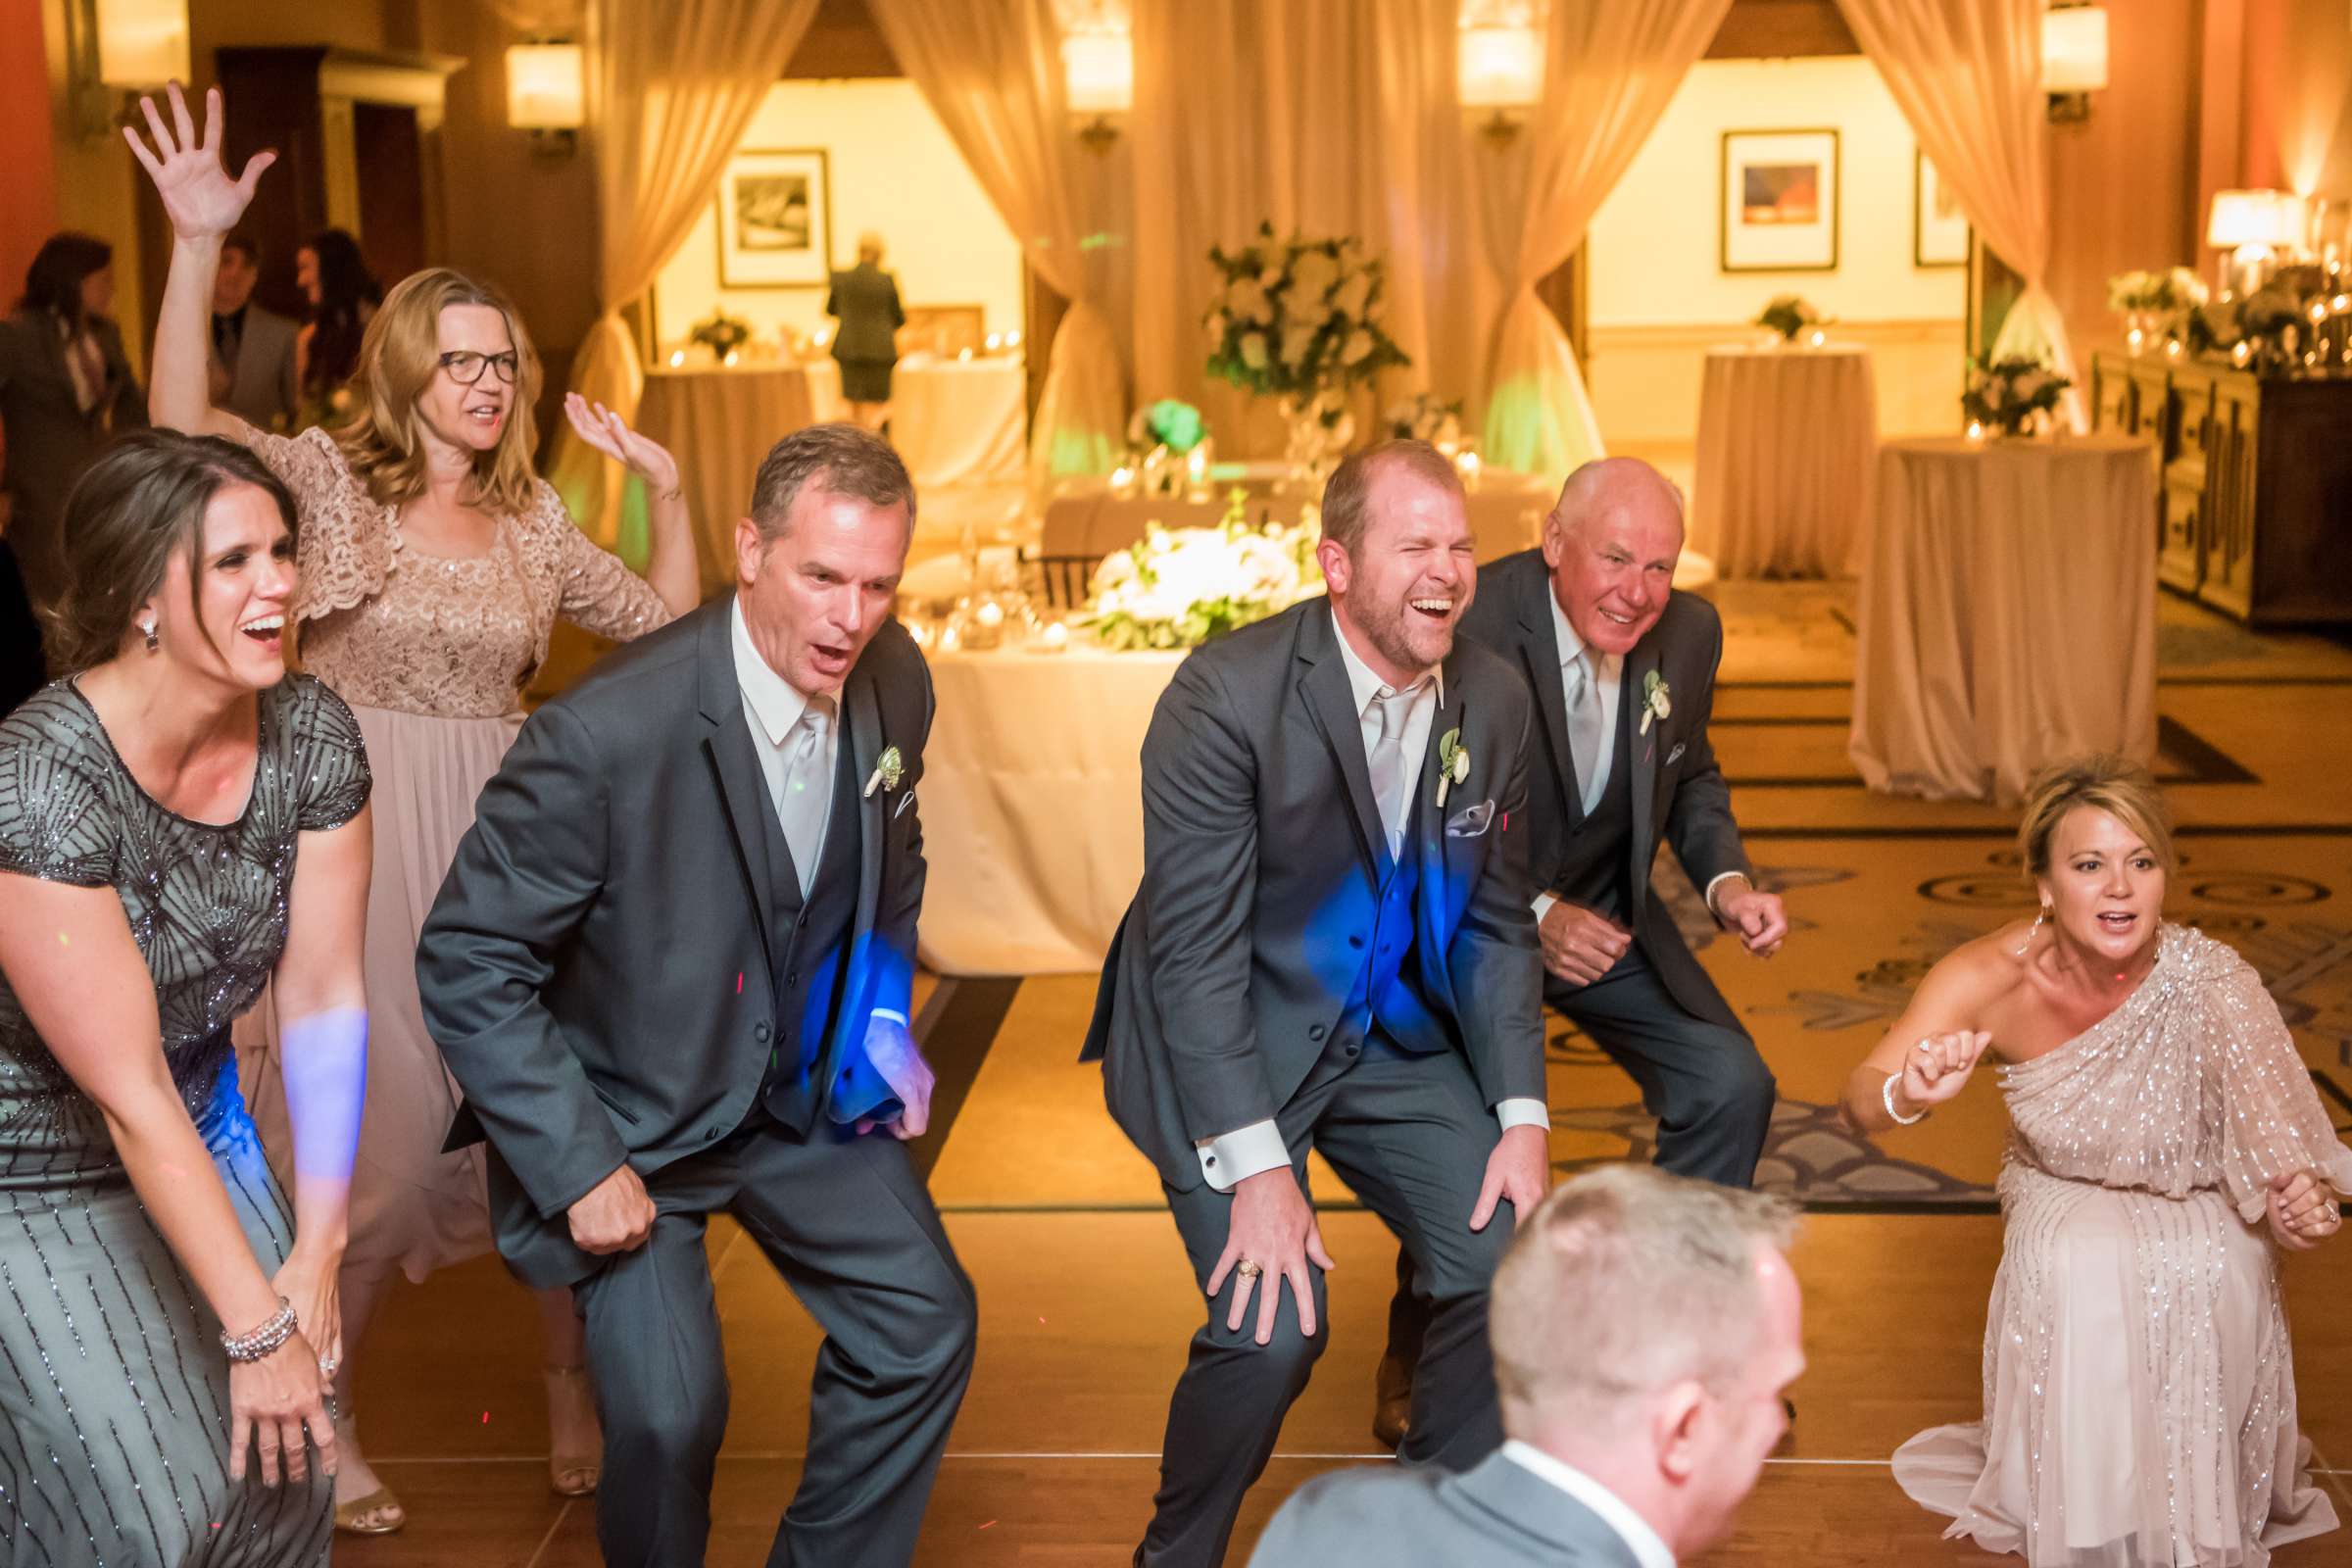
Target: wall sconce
x=547 y=93
x=1097 y=71
x=115 y=47
x=2073 y=59
x=2252 y=225
x=1499 y=65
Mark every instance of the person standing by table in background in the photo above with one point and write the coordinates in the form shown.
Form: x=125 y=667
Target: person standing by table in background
x=866 y=301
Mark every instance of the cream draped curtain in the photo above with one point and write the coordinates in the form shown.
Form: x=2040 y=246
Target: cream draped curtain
x=1968 y=76
x=1611 y=67
x=993 y=75
x=670 y=90
x=1327 y=116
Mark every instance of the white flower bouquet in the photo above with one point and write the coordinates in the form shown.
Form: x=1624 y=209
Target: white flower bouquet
x=1296 y=317
x=1424 y=417
x=1180 y=587
x=2160 y=292
x=2007 y=394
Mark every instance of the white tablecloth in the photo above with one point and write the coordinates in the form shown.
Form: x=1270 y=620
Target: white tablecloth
x=1032 y=802
x=718 y=423
x=1785 y=442
x=2008 y=614
x=955 y=421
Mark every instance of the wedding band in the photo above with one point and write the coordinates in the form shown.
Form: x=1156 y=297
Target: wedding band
x=1247 y=1269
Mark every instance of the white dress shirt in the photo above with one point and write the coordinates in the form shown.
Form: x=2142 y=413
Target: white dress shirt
x=1648 y=1550
x=1609 y=670
x=1258 y=1147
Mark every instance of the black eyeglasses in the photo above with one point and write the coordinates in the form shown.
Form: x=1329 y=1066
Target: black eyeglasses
x=465 y=368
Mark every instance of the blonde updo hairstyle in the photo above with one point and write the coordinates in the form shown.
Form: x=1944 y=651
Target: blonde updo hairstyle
x=2122 y=789
x=399 y=357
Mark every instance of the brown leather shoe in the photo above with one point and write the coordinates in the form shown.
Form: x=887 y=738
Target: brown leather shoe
x=1391 y=1401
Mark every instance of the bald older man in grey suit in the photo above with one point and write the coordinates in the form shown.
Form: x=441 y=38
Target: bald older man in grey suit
x=1643 y=1329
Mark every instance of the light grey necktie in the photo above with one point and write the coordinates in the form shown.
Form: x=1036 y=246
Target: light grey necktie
x=1390 y=778
x=807 y=793
x=1584 y=728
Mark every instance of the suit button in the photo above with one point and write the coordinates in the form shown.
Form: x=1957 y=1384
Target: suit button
x=1315 y=1032
x=803 y=922
x=792 y=978
x=714 y=1132
x=1357 y=939
x=1354 y=1051
x=760 y=1032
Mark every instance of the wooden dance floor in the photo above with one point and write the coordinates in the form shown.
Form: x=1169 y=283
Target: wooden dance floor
x=1086 y=1305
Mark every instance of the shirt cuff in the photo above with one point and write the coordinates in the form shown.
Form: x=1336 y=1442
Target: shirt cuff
x=1237 y=1156
x=889 y=1015
x=1523 y=1111
x=1716 y=881
x=1543 y=905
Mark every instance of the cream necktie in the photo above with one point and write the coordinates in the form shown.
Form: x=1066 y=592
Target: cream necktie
x=1584 y=728
x=806 y=794
x=1391 y=777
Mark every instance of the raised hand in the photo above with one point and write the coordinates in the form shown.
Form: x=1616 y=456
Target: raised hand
x=611 y=434
x=1938 y=1066
x=199 y=197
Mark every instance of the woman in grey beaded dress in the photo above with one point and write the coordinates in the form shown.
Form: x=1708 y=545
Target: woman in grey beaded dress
x=180 y=819
x=2165 y=1141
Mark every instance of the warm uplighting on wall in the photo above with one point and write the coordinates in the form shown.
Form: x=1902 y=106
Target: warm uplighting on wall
x=547 y=93
x=2073 y=59
x=2252 y=226
x=142 y=43
x=1499 y=67
x=1098 y=70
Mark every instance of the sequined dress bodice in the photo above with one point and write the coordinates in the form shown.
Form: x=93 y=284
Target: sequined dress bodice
x=207 y=904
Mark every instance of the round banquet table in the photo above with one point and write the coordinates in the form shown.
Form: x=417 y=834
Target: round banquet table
x=2008 y=618
x=718 y=422
x=1787 y=437
x=1032 y=802
x=955 y=421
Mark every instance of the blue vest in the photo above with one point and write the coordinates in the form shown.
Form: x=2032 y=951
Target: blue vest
x=810 y=941
x=1389 y=994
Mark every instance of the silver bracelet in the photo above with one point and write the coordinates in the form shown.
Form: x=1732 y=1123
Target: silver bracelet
x=265 y=1340
x=1887 y=1093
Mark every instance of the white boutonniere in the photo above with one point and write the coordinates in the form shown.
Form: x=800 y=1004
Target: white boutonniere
x=889 y=768
x=1453 y=763
x=1654 y=699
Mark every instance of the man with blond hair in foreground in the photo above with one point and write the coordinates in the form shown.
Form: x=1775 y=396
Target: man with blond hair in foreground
x=1645 y=1329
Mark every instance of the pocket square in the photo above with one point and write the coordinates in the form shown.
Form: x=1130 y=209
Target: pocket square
x=1471 y=822
x=906 y=799
x=1676 y=755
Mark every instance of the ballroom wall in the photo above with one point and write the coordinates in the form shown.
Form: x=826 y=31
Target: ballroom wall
x=1658 y=297
x=892 y=170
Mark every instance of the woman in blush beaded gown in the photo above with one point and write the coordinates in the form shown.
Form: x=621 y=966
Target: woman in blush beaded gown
x=180 y=821
x=2165 y=1142
x=434 y=566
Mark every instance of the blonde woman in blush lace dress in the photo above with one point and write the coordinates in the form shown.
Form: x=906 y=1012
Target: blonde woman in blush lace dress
x=434 y=566
x=2165 y=1144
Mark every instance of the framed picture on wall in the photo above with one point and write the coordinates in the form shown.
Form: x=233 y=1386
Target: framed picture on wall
x=1778 y=201
x=775 y=221
x=1939 y=228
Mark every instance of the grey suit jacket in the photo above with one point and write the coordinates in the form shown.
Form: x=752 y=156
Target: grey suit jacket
x=1262 y=847
x=260 y=385
x=1497 y=1514
x=597 y=969
x=50 y=440
x=1678 y=792
x=866 y=300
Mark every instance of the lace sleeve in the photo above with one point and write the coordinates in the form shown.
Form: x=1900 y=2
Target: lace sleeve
x=600 y=594
x=341 y=544
x=54 y=820
x=330 y=758
x=2271 y=1120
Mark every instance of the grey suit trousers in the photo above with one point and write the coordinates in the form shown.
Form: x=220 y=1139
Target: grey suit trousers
x=851 y=1227
x=1411 y=1136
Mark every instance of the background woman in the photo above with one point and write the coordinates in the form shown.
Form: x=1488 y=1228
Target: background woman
x=2139 y=1394
x=344 y=297
x=865 y=299
x=434 y=566
x=179 y=819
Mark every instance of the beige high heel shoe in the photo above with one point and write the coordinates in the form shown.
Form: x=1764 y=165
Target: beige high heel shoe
x=569 y=1392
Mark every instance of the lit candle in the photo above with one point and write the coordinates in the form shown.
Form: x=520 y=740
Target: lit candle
x=2135 y=339
x=990 y=613
x=1467 y=465
x=2242 y=353
x=1122 y=480
x=2173 y=348
x=996 y=341
x=1056 y=637
x=1976 y=431
x=920 y=631
x=1818 y=337
x=1012 y=340
x=730 y=360
x=677 y=357
x=963 y=354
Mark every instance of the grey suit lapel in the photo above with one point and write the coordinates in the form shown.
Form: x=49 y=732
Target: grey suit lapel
x=861 y=702
x=1520 y=1500
x=1539 y=648
x=742 y=786
x=1331 y=704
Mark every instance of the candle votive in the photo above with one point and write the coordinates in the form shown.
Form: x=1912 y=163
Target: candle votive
x=1976 y=431
x=1817 y=337
x=1055 y=639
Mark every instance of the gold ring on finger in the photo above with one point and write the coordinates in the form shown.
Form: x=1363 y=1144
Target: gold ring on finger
x=1247 y=1269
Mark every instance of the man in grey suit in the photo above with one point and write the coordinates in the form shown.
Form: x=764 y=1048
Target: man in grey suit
x=1645 y=1329
x=1623 y=671
x=1333 y=949
x=670 y=969
x=253 y=348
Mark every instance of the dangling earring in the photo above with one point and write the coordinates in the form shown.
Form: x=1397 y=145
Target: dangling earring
x=2040 y=915
x=147 y=630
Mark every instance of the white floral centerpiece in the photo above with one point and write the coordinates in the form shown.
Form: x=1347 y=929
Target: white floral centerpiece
x=2164 y=299
x=2006 y=395
x=1298 y=319
x=1426 y=417
x=1180 y=587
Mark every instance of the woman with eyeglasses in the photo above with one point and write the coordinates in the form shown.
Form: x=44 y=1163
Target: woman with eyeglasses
x=434 y=566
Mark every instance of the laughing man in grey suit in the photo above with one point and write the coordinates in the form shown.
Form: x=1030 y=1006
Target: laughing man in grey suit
x=1645 y=1328
x=670 y=969
x=1332 y=948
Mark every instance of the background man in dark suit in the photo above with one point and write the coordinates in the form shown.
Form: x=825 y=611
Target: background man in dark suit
x=1332 y=948
x=865 y=299
x=1623 y=671
x=253 y=348
x=670 y=969
x=1645 y=1329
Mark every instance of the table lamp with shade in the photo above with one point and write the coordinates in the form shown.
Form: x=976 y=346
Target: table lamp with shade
x=2252 y=225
